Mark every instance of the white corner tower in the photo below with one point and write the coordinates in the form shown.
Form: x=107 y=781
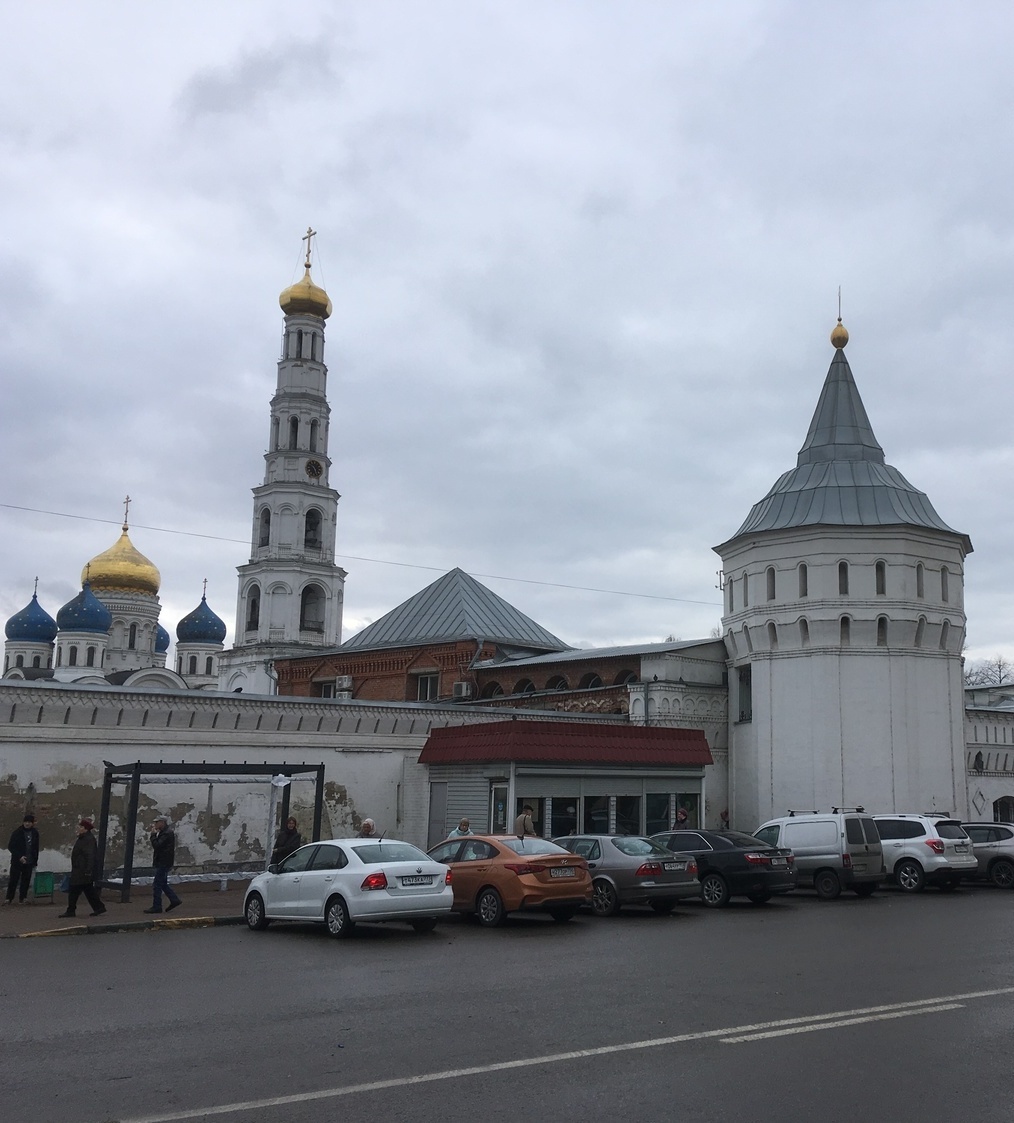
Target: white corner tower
x=291 y=592
x=844 y=623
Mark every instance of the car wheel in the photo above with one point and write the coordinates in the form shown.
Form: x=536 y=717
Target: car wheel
x=561 y=916
x=254 y=913
x=827 y=885
x=759 y=898
x=909 y=876
x=424 y=924
x=605 y=900
x=336 y=916
x=866 y=889
x=663 y=907
x=489 y=908
x=714 y=891
x=1002 y=874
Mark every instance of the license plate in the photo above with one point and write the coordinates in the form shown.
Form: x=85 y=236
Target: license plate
x=425 y=880
x=562 y=871
x=960 y=848
x=778 y=861
x=672 y=867
x=859 y=867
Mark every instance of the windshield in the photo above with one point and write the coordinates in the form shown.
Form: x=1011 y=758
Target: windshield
x=373 y=852
x=532 y=846
x=638 y=847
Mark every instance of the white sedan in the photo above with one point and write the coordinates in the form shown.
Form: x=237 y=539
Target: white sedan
x=342 y=881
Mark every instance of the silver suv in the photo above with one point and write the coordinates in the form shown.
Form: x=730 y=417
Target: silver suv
x=921 y=850
x=993 y=844
x=835 y=850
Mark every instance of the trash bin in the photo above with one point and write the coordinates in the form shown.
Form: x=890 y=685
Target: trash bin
x=43 y=886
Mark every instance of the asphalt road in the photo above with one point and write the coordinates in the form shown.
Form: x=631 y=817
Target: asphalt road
x=896 y=1008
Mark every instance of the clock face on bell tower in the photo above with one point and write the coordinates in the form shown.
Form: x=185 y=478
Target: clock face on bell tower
x=314 y=469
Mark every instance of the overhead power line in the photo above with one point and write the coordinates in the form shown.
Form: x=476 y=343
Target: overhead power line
x=370 y=561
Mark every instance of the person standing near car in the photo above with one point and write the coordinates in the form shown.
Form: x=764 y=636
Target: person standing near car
x=463 y=828
x=288 y=841
x=368 y=829
x=82 y=871
x=24 y=848
x=163 y=858
x=524 y=824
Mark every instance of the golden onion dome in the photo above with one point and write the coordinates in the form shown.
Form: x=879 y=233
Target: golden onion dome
x=839 y=336
x=122 y=567
x=306 y=297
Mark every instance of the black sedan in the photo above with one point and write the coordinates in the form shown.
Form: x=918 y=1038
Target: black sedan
x=733 y=864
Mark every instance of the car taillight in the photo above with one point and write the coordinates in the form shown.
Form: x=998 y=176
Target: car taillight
x=846 y=860
x=519 y=867
x=376 y=880
x=649 y=869
x=447 y=878
x=758 y=859
x=790 y=859
x=936 y=845
x=692 y=867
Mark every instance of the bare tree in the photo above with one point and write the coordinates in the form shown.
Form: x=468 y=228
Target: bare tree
x=995 y=671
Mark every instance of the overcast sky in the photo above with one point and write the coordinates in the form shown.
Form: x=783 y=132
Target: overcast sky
x=584 y=259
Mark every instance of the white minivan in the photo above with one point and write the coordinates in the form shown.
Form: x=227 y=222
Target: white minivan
x=834 y=850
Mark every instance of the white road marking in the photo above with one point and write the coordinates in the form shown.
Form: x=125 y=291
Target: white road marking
x=842 y=1022
x=730 y=1034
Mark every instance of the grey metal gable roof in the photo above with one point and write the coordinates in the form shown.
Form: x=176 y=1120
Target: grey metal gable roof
x=841 y=477
x=454 y=607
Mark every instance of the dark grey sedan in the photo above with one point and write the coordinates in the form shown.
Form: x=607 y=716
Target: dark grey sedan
x=629 y=870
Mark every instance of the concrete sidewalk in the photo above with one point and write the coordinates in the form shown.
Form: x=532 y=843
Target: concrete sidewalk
x=203 y=906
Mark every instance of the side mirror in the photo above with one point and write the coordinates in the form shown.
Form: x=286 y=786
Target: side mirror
x=273 y=868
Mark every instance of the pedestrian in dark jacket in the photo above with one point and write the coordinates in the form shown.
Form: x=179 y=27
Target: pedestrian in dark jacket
x=82 y=870
x=24 y=848
x=288 y=841
x=163 y=858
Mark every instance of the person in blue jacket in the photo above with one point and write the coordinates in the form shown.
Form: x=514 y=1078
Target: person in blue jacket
x=24 y=848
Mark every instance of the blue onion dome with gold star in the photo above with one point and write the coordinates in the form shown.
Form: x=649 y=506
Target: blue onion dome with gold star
x=122 y=568
x=85 y=613
x=162 y=640
x=201 y=626
x=32 y=624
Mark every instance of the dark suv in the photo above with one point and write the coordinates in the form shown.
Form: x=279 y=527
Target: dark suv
x=731 y=863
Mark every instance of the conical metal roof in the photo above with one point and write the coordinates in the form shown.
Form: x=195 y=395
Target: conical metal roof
x=454 y=607
x=841 y=477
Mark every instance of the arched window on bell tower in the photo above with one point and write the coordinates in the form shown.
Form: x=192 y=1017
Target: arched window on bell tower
x=253 y=608
x=311 y=609
x=264 y=535
x=132 y=637
x=293 y=432
x=311 y=531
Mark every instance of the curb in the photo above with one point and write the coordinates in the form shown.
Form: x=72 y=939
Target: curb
x=135 y=926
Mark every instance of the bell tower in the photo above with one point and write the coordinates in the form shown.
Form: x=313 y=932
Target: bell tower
x=291 y=591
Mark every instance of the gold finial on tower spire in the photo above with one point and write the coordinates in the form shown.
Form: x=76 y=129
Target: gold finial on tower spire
x=839 y=336
x=308 y=238
x=304 y=297
x=126 y=512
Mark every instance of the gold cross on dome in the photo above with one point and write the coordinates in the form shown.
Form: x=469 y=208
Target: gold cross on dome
x=126 y=511
x=308 y=238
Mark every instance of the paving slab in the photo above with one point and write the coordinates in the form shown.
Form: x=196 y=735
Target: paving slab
x=203 y=906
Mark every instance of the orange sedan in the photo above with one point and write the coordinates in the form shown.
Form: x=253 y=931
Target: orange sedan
x=496 y=874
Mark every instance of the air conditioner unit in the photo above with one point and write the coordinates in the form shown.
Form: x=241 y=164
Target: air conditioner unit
x=343 y=682
x=462 y=690
x=343 y=696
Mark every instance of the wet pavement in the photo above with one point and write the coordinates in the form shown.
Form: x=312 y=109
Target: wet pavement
x=203 y=905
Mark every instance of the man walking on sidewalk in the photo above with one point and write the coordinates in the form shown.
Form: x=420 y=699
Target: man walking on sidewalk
x=163 y=845
x=82 y=871
x=24 y=848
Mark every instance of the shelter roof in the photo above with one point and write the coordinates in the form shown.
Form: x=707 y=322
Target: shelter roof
x=558 y=743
